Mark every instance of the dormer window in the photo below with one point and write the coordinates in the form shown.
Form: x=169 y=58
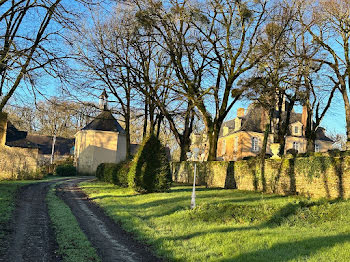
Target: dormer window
x=296 y=129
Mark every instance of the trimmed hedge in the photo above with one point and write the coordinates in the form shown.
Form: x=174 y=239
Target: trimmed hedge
x=114 y=173
x=150 y=169
x=66 y=170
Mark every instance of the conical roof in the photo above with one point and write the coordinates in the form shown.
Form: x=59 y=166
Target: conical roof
x=105 y=122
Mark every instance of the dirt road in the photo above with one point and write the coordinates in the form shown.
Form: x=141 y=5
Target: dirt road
x=110 y=240
x=33 y=239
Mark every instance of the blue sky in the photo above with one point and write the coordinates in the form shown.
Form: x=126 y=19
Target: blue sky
x=334 y=120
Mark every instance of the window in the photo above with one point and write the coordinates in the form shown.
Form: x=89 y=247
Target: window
x=223 y=147
x=296 y=146
x=236 y=144
x=255 y=145
x=317 y=148
x=296 y=130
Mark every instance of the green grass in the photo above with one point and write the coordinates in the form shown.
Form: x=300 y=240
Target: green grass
x=230 y=225
x=73 y=243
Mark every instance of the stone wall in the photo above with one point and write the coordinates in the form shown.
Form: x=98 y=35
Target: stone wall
x=3 y=128
x=315 y=177
x=18 y=163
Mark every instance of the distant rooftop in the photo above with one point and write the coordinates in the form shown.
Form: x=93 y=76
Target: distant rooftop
x=105 y=122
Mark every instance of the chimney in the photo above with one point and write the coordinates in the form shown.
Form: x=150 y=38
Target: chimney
x=3 y=128
x=225 y=130
x=304 y=117
x=238 y=123
x=240 y=112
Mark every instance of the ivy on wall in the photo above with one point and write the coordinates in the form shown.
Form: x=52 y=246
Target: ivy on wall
x=318 y=175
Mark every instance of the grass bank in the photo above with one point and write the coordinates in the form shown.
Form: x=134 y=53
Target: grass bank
x=73 y=243
x=230 y=225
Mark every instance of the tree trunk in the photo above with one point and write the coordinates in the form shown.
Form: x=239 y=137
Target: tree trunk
x=285 y=127
x=159 y=122
x=145 y=120
x=185 y=145
x=347 y=111
x=264 y=147
x=213 y=137
x=309 y=133
x=151 y=116
x=127 y=131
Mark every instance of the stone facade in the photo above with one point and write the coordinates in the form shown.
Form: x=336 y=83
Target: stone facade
x=93 y=147
x=244 y=135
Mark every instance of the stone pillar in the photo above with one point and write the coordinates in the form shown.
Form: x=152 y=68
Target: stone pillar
x=3 y=128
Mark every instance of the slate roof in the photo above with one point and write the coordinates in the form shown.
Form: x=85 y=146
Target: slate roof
x=63 y=145
x=105 y=122
x=16 y=138
x=13 y=134
x=252 y=122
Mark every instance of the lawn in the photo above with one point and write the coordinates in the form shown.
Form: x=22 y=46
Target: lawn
x=230 y=225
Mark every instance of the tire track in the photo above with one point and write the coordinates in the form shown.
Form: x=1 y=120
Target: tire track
x=32 y=238
x=110 y=240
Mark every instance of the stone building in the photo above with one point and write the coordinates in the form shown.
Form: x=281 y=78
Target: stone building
x=243 y=136
x=101 y=141
x=34 y=150
x=18 y=156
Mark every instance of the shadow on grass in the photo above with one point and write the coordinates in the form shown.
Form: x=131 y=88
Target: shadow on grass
x=292 y=250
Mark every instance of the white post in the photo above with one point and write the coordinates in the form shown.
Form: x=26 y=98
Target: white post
x=193 y=199
x=53 y=149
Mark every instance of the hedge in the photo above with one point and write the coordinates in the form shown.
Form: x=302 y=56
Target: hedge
x=114 y=173
x=66 y=170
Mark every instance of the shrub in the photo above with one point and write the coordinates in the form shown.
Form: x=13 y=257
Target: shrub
x=121 y=174
x=150 y=169
x=108 y=170
x=104 y=172
x=66 y=170
x=114 y=173
x=100 y=171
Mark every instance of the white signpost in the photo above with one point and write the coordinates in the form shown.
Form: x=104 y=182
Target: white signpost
x=194 y=157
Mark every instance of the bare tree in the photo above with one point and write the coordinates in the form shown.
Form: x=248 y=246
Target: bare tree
x=120 y=55
x=30 y=49
x=210 y=47
x=328 y=23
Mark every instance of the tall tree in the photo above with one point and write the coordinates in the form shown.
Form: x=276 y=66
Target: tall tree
x=32 y=34
x=328 y=23
x=210 y=46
